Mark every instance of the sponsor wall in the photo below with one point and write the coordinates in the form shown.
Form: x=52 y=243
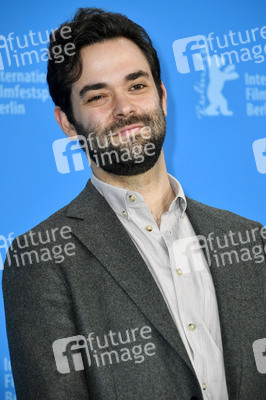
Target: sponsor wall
x=213 y=66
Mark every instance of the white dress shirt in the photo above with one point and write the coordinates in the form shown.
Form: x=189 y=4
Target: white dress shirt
x=179 y=267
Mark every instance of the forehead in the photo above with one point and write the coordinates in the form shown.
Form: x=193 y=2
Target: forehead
x=111 y=61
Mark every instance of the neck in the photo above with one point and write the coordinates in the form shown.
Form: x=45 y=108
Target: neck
x=153 y=185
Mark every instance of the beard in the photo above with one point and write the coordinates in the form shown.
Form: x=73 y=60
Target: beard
x=130 y=154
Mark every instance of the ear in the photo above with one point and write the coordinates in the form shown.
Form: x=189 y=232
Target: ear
x=64 y=123
x=164 y=99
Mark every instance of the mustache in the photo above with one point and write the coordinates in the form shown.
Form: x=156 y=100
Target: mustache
x=144 y=119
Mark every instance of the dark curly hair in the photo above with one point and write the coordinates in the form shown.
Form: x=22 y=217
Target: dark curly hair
x=89 y=26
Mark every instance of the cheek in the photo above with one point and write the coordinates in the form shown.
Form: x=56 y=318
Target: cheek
x=88 y=116
x=98 y=118
x=148 y=100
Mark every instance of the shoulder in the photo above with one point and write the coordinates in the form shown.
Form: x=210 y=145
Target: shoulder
x=63 y=216
x=221 y=217
x=44 y=241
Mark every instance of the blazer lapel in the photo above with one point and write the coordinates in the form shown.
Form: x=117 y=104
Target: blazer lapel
x=96 y=225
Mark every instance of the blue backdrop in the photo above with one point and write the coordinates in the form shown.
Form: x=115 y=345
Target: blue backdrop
x=213 y=66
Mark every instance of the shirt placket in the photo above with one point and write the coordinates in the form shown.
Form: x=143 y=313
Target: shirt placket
x=188 y=308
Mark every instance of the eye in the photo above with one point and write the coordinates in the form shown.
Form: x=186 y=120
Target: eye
x=95 y=98
x=138 y=86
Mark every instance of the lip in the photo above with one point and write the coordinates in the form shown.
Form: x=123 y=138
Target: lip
x=128 y=129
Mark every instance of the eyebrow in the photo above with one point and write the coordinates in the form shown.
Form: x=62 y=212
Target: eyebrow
x=136 y=75
x=102 y=85
x=95 y=86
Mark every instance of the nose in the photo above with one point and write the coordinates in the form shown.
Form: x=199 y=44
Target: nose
x=123 y=106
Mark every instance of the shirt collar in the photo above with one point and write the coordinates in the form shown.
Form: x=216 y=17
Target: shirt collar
x=121 y=200
x=180 y=199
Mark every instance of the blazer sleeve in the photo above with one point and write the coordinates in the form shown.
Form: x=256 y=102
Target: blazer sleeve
x=38 y=311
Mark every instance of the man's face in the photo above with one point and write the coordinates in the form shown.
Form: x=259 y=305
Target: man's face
x=116 y=107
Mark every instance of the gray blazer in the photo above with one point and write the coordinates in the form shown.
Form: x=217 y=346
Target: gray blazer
x=63 y=318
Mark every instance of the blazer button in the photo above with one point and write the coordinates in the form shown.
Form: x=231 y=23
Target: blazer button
x=194 y=398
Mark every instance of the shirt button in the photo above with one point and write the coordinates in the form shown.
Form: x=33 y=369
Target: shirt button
x=204 y=386
x=149 y=228
x=183 y=216
x=132 y=197
x=124 y=213
x=179 y=271
x=191 y=327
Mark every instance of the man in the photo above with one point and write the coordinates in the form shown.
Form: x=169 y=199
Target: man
x=132 y=291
